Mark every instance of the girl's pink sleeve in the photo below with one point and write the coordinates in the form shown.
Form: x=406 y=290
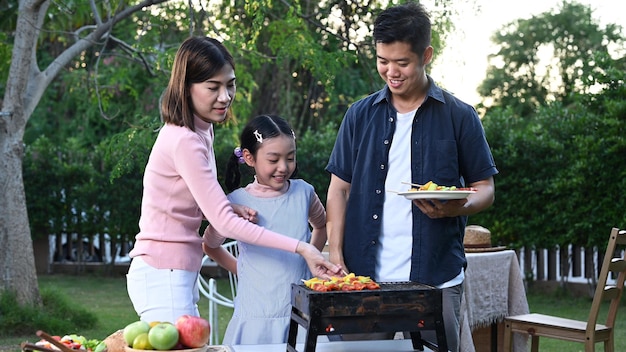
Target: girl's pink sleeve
x=194 y=166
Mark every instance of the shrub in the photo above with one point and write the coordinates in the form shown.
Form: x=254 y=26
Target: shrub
x=57 y=313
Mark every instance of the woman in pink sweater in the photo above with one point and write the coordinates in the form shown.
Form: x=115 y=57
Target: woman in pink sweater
x=181 y=189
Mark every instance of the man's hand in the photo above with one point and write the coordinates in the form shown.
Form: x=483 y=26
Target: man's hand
x=436 y=209
x=474 y=203
x=337 y=257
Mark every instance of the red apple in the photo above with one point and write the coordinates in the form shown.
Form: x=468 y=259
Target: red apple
x=193 y=331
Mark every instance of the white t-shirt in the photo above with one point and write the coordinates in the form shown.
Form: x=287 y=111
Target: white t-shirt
x=394 y=257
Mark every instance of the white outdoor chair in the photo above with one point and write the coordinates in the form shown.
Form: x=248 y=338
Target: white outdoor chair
x=208 y=288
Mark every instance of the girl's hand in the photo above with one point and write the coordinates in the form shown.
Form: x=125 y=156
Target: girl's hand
x=245 y=212
x=318 y=265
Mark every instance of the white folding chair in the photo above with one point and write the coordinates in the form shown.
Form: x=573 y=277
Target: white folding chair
x=208 y=288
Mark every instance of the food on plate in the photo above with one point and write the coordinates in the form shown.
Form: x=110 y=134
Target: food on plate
x=350 y=282
x=72 y=341
x=431 y=186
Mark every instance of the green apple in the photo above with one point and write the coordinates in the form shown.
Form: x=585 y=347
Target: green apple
x=132 y=330
x=163 y=336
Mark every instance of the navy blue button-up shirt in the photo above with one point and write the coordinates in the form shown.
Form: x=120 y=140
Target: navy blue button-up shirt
x=448 y=146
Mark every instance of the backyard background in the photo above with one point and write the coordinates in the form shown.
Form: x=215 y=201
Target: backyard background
x=79 y=115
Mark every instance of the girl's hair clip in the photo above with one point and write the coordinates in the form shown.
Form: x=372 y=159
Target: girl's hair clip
x=258 y=136
x=239 y=154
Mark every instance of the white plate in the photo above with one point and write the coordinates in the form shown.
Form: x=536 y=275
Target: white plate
x=441 y=195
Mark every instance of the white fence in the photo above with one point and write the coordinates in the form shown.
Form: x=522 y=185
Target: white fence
x=575 y=264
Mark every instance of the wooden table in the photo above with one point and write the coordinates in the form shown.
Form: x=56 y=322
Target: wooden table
x=494 y=289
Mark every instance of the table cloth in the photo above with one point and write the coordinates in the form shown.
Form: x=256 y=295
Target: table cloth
x=494 y=289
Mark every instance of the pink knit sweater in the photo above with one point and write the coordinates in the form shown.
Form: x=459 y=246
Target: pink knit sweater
x=180 y=188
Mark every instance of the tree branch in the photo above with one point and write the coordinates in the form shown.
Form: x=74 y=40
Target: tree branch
x=358 y=48
x=92 y=38
x=99 y=32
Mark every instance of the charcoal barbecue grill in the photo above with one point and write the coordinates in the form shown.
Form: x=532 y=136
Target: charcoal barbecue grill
x=396 y=306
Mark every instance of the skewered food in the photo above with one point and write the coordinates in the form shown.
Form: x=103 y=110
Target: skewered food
x=350 y=282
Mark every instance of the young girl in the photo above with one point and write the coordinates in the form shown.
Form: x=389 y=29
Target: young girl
x=181 y=188
x=286 y=205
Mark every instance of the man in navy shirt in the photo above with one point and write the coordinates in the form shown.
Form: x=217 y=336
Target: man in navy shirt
x=409 y=131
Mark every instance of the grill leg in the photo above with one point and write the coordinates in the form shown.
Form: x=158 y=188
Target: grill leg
x=416 y=339
x=441 y=336
x=311 y=332
x=311 y=341
x=293 y=332
x=419 y=343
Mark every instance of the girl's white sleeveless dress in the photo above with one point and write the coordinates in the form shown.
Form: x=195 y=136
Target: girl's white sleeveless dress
x=263 y=303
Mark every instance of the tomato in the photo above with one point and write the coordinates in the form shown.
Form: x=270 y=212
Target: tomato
x=359 y=286
x=320 y=288
x=332 y=286
x=347 y=287
x=372 y=286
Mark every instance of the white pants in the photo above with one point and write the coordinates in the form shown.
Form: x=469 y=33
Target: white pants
x=162 y=294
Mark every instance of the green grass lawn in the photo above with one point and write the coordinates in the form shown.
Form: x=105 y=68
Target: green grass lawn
x=107 y=298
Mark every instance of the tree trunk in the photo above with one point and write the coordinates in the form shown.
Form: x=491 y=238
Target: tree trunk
x=17 y=261
x=24 y=89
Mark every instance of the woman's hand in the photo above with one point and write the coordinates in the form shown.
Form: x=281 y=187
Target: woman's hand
x=245 y=212
x=318 y=265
